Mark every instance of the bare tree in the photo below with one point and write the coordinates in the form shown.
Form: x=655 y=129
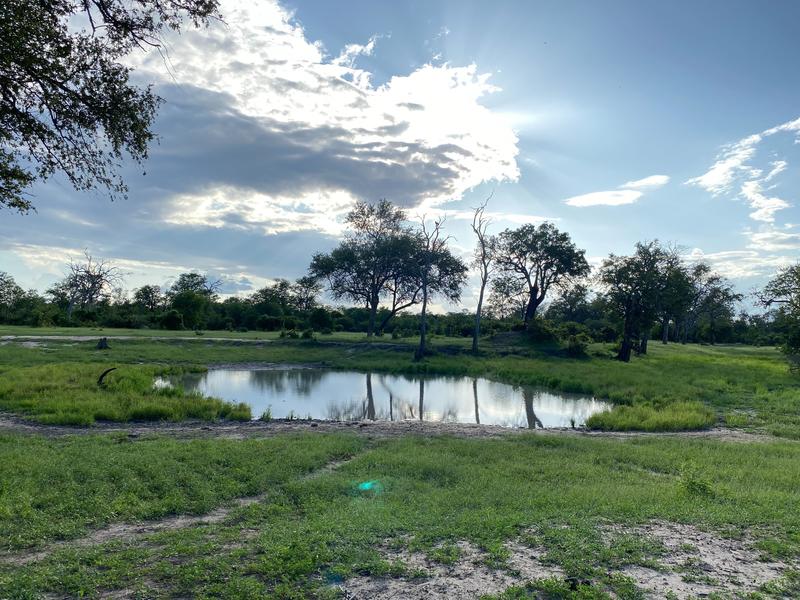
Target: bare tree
x=88 y=282
x=484 y=260
x=439 y=272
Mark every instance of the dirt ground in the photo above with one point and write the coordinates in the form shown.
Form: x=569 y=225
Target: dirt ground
x=382 y=429
x=695 y=564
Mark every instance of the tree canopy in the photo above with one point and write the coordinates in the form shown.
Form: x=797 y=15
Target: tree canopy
x=67 y=102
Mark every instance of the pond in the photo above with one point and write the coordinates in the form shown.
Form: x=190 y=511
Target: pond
x=350 y=395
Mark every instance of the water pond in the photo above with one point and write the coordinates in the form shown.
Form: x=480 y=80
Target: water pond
x=351 y=395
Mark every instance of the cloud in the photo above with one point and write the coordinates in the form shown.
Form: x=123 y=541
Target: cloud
x=420 y=138
x=765 y=207
x=628 y=193
x=351 y=52
x=648 y=183
x=608 y=198
x=265 y=140
x=771 y=239
x=730 y=164
x=742 y=264
x=733 y=167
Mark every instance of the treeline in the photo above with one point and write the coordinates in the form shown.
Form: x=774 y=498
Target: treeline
x=532 y=278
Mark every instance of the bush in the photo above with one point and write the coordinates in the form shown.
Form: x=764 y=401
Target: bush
x=577 y=345
x=289 y=334
x=172 y=320
x=268 y=323
x=308 y=334
x=327 y=331
x=541 y=331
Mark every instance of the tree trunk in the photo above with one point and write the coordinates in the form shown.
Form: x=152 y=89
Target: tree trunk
x=373 y=313
x=643 y=343
x=625 y=349
x=530 y=309
x=665 y=330
x=423 y=325
x=477 y=332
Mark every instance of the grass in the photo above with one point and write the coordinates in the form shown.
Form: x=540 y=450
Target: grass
x=678 y=416
x=556 y=493
x=68 y=394
x=57 y=488
x=742 y=386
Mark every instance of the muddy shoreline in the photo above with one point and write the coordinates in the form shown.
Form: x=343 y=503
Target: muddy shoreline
x=381 y=429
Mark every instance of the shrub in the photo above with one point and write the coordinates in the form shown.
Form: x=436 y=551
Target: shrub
x=577 y=345
x=172 y=320
x=327 y=331
x=268 y=323
x=541 y=331
x=308 y=334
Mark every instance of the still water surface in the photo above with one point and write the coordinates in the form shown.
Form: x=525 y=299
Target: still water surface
x=351 y=395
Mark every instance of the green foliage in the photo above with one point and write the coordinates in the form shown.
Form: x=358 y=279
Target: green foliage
x=66 y=96
x=679 y=416
x=172 y=320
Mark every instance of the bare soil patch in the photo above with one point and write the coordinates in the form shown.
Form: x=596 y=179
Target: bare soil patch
x=695 y=563
x=700 y=563
x=468 y=577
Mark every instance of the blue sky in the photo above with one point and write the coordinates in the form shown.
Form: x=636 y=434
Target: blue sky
x=620 y=121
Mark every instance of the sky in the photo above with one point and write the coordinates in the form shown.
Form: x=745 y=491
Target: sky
x=618 y=121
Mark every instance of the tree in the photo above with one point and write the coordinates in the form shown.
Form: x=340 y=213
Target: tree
x=483 y=258
x=508 y=298
x=67 y=103
x=633 y=285
x=542 y=258
x=717 y=303
x=784 y=290
x=571 y=305
x=305 y=291
x=149 y=297
x=678 y=292
x=439 y=272
x=87 y=283
x=372 y=259
x=197 y=283
x=10 y=296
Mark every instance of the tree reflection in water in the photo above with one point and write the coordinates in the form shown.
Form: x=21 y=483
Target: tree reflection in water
x=278 y=381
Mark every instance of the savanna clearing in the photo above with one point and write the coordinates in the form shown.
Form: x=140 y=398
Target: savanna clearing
x=144 y=513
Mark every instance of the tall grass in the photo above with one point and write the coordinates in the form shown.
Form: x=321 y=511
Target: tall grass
x=679 y=416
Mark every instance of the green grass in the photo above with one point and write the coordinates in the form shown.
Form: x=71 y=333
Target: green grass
x=678 y=416
x=57 y=488
x=550 y=492
x=68 y=394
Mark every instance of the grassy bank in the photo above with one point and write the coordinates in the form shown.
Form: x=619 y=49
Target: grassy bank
x=308 y=534
x=672 y=388
x=69 y=394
